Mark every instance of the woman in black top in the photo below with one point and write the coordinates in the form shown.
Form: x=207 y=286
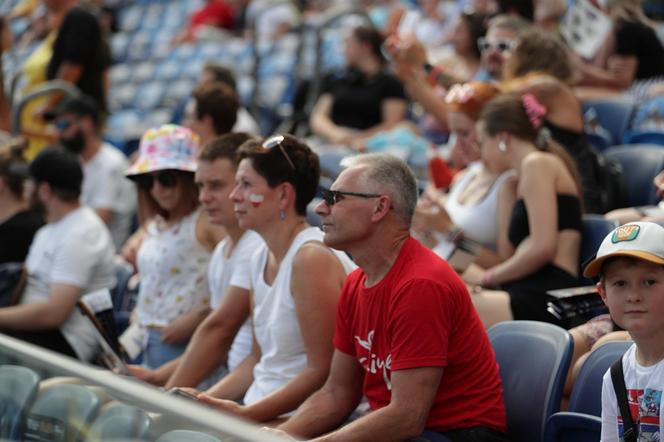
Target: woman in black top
x=18 y=224
x=362 y=101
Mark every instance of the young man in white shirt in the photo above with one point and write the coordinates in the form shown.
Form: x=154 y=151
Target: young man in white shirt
x=105 y=188
x=72 y=255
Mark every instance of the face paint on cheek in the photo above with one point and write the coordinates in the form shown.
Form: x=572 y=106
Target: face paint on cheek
x=256 y=199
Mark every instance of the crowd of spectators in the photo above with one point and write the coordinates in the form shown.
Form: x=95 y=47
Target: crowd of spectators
x=362 y=327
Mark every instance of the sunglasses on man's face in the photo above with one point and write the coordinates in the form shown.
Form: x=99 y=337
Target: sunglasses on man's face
x=500 y=45
x=331 y=197
x=62 y=125
x=166 y=178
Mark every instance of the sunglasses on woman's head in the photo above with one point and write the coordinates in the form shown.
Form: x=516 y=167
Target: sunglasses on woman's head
x=275 y=141
x=166 y=178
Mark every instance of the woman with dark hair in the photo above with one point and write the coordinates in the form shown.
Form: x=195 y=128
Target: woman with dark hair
x=364 y=100
x=545 y=226
x=463 y=63
x=296 y=281
x=18 y=223
x=176 y=244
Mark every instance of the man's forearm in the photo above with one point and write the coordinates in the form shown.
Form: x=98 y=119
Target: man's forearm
x=387 y=424
x=33 y=317
x=321 y=413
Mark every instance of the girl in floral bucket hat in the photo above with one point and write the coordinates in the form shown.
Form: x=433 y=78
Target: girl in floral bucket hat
x=174 y=244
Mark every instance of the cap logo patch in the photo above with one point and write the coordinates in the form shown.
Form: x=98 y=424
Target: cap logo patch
x=625 y=233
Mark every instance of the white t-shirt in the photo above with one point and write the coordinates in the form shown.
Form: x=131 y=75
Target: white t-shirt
x=246 y=123
x=644 y=392
x=75 y=250
x=106 y=187
x=275 y=320
x=234 y=271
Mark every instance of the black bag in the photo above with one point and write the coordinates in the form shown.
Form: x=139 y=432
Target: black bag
x=12 y=281
x=630 y=429
x=575 y=306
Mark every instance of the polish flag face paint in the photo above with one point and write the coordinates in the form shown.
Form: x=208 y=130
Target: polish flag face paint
x=256 y=199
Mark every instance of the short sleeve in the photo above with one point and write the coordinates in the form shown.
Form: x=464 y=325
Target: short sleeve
x=420 y=324
x=241 y=276
x=393 y=88
x=77 y=257
x=343 y=339
x=609 y=410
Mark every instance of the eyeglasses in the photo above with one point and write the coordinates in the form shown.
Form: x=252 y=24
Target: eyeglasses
x=331 y=197
x=166 y=178
x=275 y=141
x=500 y=45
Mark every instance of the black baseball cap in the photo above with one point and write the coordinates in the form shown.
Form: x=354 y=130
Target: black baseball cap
x=60 y=169
x=81 y=106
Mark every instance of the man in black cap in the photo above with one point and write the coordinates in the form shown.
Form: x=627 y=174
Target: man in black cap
x=105 y=187
x=70 y=256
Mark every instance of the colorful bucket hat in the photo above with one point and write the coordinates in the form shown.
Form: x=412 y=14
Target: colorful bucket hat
x=166 y=147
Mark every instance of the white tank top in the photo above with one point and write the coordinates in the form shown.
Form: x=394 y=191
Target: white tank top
x=173 y=267
x=478 y=221
x=276 y=327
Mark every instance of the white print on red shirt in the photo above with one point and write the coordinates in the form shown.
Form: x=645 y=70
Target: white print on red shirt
x=372 y=362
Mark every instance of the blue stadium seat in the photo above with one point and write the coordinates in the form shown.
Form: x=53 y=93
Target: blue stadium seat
x=534 y=358
x=120 y=422
x=640 y=164
x=595 y=229
x=187 y=435
x=61 y=413
x=650 y=115
x=614 y=115
x=18 y=389
x=645 y=137
x=582 y=420
x=599 y=141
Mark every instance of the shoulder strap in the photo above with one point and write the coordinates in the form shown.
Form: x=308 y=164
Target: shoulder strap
x=630 y=429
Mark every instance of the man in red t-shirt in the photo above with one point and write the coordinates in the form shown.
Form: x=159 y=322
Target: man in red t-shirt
x=407 y=334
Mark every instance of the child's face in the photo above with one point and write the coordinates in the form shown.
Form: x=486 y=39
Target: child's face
x=633 y=290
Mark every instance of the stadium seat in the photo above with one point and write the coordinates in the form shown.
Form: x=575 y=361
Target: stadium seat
x=187 y=435
x=599 y=141
x=534 y=358
x=640 y=164
x=18 y=388
x=595 y=229
x=645 y=137
x=61 y=413
x=614 y=115
x=120 y=422
x=650 y=115
x=582 y=420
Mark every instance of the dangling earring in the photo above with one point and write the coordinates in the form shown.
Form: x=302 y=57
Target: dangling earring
x=282 y=215
x=502 y=146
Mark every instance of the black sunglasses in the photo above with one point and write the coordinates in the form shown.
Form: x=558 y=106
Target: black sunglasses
x=166 y=178
x=275 y=141
x=331 y=197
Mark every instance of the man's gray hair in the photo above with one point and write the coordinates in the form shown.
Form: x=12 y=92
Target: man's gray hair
x=389 y=175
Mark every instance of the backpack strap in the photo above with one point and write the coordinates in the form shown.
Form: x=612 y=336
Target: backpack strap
x=630 y=430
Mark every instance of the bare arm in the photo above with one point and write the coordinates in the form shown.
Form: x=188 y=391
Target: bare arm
x=211 y=342
x=413 y=393
x=322 y=124
x=69 y=72
x=183 y=327
x=329 y=406
x=619 y=73
x=235 y=384
x=539 y=248
x=316 y=284
x=47 y=315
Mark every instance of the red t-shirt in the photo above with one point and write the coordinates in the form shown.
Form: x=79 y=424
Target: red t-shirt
x=214 y=13
x=421 y=315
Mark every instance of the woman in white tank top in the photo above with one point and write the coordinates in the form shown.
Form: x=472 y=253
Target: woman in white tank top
x=481 y=197
x=296 y=281
x=176 y=243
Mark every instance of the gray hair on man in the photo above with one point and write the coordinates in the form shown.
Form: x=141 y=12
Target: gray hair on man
x=389 y=175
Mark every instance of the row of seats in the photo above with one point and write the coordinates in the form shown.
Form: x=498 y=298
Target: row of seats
x=534 y=359
x=67 y=412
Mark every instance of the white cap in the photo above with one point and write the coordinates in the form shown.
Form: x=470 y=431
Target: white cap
x=639 y=240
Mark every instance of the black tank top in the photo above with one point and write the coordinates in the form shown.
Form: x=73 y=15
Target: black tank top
x=569 y=217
